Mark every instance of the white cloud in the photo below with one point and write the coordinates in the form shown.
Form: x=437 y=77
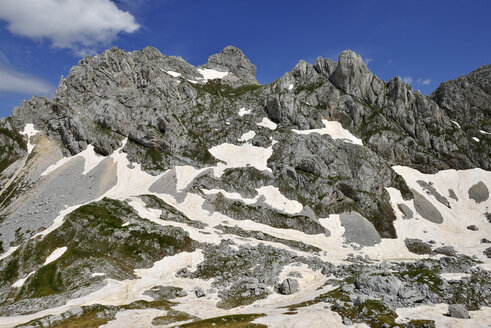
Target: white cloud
x=424 y=82
x=80 y=25
x=12 y=81
x=407 y=79
x=368 y=61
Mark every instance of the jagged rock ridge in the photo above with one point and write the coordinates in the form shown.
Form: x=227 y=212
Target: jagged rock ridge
x=148 y=174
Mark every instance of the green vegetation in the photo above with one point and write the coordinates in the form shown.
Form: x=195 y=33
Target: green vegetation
x=216 y=88
x=90 y=233
x=229 y=321
x=425 y=277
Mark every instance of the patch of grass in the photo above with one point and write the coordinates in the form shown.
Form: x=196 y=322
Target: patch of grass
x=425 y=277
x=229 y=321
x=94 y=233
x=11 y=271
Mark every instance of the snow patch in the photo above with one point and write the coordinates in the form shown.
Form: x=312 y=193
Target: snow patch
x=210 y=74
x=437 y=313
x=19 y=283
x=244 y=111
x=454 y=275
x=335 y=130
x=185 y=175
x=484 y=132
x=475 y=139
x=267 y=123
x=8 y=253
x=29 y=131
x=290 y=87
x=172 y=73
x=98 y=274
x=249 y=156
x=247 y=136
x=55 y=255
x=135 y=318
x=91 y=160
x=457 y=124
x=462 y=212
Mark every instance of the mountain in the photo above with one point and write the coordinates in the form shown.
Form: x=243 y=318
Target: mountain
x=152 y=193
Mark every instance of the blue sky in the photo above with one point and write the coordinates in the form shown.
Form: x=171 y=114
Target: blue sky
x=425 y=42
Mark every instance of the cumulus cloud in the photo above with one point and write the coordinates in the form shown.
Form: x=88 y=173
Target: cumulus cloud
x=424 y=82
x=368 y=61
x=80 y=25
x=12 y=81
x=407 y=79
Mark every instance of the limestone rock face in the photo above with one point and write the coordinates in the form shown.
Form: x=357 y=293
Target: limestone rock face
x=458 y=311
x=467 y=98
x=161 y=180
x=233 y=60
x=288 y=286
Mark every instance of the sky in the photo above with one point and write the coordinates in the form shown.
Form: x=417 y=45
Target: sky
x=424 y=42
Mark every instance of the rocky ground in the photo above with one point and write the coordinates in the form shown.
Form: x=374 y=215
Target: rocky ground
x=149 y=192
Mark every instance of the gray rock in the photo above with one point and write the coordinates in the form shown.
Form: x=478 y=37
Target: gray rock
x=418 y=246
x=446 y=250
x=232 y=59
x=426 y=209
x=458 y=311
x=359 y=230
x=199 y=292
x=473 y=227
x=408 y=214
x=479 y=192
x=288 y=286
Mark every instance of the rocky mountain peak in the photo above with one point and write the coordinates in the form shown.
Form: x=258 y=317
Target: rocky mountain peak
x=233 y=60
x=214 y=192
x=468 y=97
x=353 y=76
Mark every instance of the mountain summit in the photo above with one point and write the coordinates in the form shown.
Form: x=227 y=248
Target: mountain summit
x=152 y=193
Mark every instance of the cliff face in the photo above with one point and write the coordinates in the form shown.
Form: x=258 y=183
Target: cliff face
x=141 y=159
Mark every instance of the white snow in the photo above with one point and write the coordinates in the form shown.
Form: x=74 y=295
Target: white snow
x=19 y=283
x=436 y=312
x=193 y=81
x=29 y=131
x=55 y=255
x=185 y=175
x=457 y=124
x=269 y=194
x=120 y=292
x=484 y=132
x=125 y=224
x=9 y=252
x=247 y=136
x=335 y=130
x=210 y=74
x=98 y=274
x=249 y=156
x=91 y=160
x=462 y=213
x=267 y=123
x=172 y=73
x=244 y=111
x=475 y=139
x=454 y=275
x=141 y=318
x=290 y=87
x=274 y=198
